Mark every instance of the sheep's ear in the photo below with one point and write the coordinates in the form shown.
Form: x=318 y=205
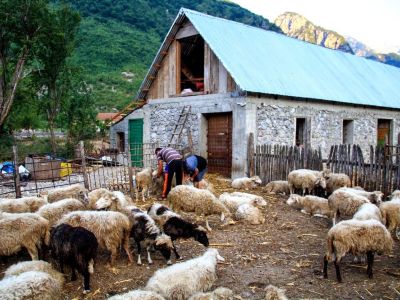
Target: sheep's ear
x=201 y=228
x=222 y=217
x=220 y=258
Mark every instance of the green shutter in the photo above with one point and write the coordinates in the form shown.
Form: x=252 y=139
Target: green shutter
x=136 y=142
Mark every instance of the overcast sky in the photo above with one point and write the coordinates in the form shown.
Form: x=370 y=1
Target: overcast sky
x=376 y=23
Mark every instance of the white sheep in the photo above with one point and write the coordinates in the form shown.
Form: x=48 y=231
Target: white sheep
x=233 y=200
x=390 y=211
x=358 y=238
x=111 y=229
x=116 y=203
x=54 y=211
x=22 y=205
x=138 y=295
x=144 y=182
x=277 y=187
x=336 y=181
x=306 y=180
x=249 y=214
x=345 y=203
x=246 y=183
x=368 y=211
x=274 y=293
x=220 y=293
x=34 y=265
x=189 y=277
x=76 y=191
x=201 y=202
x=395 y=194
x=30 y=285
x=97 y=194
x=374 y=197
x=25 y=230
x=313 y=205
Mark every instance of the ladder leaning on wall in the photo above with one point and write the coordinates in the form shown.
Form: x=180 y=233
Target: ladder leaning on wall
x=177 y=133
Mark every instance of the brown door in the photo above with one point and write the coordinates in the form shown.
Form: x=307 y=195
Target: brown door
x=219 y=144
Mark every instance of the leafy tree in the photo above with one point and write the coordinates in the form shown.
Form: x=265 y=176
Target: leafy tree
x=21 y=22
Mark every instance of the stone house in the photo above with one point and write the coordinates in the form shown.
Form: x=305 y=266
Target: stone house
x=238 y=80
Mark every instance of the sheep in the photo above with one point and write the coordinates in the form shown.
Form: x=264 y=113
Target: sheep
x=145 y=229
x=30 y=285
x=189 y=277
x=117 y=202
x=220 y=293
x=25 y=230
x=205 y=185
x=97 y=194
x=359 y=238
x=233 y=200
x=274 y=293
x=368 y=211
x=138 y=295
x=390 y=211
x=160 y=213
x=374 y=197
x=395 y=194
x=306 y=180
x=246 y=183
x=178 y=228
x=76 y=191
x=144 y=182
x=249 y=214
x=336 y=181
x=110 y=228
x=313 y=205
x=76 y=247
x=277 y=187
x=54 y=211
x=35 y=265
x=345 y=203
x=22 y=205
x=202 y=202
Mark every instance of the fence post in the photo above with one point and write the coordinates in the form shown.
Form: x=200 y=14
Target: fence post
x=250 y=155
x=84 y=171
x=16 y=173
x=130 y=173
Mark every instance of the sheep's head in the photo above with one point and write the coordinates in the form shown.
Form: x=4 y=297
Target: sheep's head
x=293 y=200
x=376 y=197
x=256 y=179
x=326 y=173
x=395 y=194
x=259 y=202
x=321 y=182
x=163 y=243
x=214 y=253
x=104 y=203
x=200 y=235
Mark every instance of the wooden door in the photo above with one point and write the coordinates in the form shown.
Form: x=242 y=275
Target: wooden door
x=136 y=142
x=219 y=144
x=383 y=137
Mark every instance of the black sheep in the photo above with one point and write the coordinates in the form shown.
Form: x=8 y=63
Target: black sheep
x=76 y=247
x=177 y=228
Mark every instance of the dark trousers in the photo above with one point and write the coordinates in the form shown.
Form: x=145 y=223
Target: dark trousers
x=174 y=167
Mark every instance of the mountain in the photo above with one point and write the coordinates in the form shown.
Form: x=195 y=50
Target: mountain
x=359 y=48
x=297 y=26
x=118 y=40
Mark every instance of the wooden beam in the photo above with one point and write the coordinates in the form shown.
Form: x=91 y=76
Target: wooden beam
x=178 y=67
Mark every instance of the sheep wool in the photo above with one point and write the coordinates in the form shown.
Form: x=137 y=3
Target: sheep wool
x=96 y=194
x=390 y=211
x=30 y=285
x=233 y=200
x=249 y=214
x=138 y=295
x=220 y=293
x=274 y=293
x=368 y=211
x=22 y=205
x=313 y=205
x=116 y=203
x=76 y=191
x=336 y=181
x=190 y=277
x=246 y=183
x=306 y=180
x=54 y=211
x=144 y=182
x=277 y=187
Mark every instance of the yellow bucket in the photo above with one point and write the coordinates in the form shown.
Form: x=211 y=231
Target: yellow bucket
x=66 y=169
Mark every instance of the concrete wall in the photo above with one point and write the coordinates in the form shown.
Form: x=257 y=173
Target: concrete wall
x=276 y=121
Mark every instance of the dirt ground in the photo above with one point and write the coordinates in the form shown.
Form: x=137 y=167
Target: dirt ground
x=286 y=251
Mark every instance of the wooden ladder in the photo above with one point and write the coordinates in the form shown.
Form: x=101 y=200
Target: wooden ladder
x=176 y=135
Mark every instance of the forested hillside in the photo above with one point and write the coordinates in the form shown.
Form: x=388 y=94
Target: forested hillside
x=124 y=36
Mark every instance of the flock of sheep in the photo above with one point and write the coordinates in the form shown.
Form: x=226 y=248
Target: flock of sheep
x=73 y=224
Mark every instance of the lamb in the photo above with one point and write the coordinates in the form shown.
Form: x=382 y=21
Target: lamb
x=368 y=211
x=138 y=295
x=144 y=182
x=76 y=191
x=161 y=213
x=111 y=229
x=202 y=202
x=54 y=211
x=76 y=247
x=190 y=277
x=117 y=202
x=277 y=187
x=220 y=293
x=390 y=211
x=345 y=203
x=35 y=265
x=274 y=293
x=30 y=285
x=249 y=214
x=246 y=183
x=336 y=181
x=359 y=238
x=145 y=229
x=22 y=205
x=97 y=194
x=306 y=180
x=25 y=230
x=233 y=200
x=313 y=205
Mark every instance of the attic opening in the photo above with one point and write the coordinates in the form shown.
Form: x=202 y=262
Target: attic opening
x=191 y=78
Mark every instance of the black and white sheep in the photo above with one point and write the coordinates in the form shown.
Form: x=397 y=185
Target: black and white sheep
x=75 y=247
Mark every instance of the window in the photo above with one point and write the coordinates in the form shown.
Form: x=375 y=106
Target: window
x=191 y=64
x=384 y=136
x=121 y=141
x=348 y=129
x=302 y=131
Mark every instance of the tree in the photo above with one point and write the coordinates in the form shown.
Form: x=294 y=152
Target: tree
x=21 y=22
x=57 y=42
